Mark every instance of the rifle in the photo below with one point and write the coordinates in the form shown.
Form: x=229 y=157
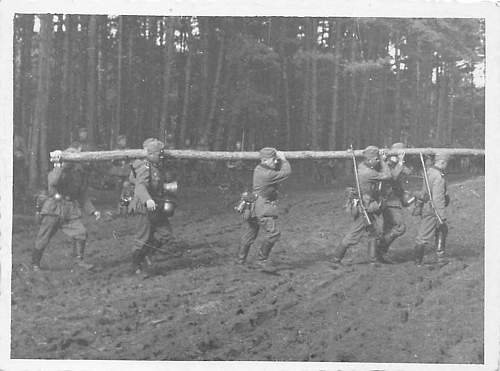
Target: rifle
x=362 y=205
x=427 y=186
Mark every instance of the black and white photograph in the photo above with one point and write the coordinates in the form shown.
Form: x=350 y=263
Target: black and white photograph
x=272 y=189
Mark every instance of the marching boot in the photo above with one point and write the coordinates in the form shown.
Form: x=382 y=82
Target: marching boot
x=265 y=250
x=36 y=257
x=419 y=254
x=242 y=253
x=339 y=254
x=440 y=247
x=79 y=257
x=137 y=258
x=372 y=251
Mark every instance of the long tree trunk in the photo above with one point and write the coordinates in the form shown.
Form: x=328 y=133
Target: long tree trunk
x=25 y=74
x=118 y=108
x=38 y=146
x=66 y=91
x=315 y=129
x=215 y=92
x=168 y=59
x=205 y=30
x=332 y=138
x=92 y=79
x=102 y=46
x=397 y=98
x=441 y=106
x=185 y=103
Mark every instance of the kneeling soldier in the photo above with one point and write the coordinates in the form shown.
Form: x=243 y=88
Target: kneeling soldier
x=433 y=225
x=272 y=170
x=62 y=209
x=151 y=202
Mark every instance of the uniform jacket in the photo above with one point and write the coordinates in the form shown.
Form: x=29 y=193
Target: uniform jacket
x=438 y=186
x=370 y=182
x=72 y=184
x=392 y=189
x=265 y=184
x=148 y=179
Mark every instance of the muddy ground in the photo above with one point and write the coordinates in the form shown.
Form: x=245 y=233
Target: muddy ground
x=197 y=305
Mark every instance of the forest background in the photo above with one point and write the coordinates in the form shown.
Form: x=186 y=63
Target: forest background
x=210 y=82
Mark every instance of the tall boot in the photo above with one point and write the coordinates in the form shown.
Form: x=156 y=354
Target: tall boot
x=80 y=254
x=137 y=258
x=441 y=246
x=419 y=251
x=265 y=250
x=339 y=253
x=372 y=250
x=242 y=253
x=36 y=257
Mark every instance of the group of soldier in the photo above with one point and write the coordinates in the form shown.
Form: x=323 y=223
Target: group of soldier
x=376 y=206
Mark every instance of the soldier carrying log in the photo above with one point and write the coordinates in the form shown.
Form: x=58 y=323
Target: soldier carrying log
x=272 y=170
x=434 y=198
x=365 y=205
x=152 y=201
x=61 y=209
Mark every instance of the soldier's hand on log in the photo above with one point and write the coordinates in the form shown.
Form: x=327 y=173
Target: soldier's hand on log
x=383 y=154
x=151 y=205
x=97 y=215
x=280 y=155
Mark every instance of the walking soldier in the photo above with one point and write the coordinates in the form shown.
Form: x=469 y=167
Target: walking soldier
x=152 y=202
x=366 y=208
x=395 y=200
x=61 y=208
x=435 y=199
x=272 y=170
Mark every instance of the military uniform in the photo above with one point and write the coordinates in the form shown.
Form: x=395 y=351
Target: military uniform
x=62 y=210
x=266 y=181
x=393 y=193
x=154 y=228
x=370 y=184
x=429 y=229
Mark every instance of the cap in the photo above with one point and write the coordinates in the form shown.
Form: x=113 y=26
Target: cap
x=153 y=145
x=370 y=152
x=267 y=152
x=398 y=145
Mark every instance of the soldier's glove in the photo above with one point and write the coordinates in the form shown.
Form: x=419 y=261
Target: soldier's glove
x=383 y=154
x=151 y=205
x=97 y=215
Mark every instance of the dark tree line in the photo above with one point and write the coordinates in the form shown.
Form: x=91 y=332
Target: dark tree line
x=209 y=82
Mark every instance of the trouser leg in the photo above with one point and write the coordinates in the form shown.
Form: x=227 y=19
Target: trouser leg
x=247 y=239
x=272 y=235
x=48 y=227
x=394 y=227
x=352 y=237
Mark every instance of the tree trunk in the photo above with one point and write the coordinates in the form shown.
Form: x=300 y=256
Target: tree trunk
x=38 y=146
x=332 y=139
x=102 y=46
x=185 y=104
x=66 y=91
x=26 y=74
x=398 y=124
x=127 y=154
x=441 y=106
x=215 y=92
x=315 y=129
x=451 y=106
x=205 y=29
x=118 y=109
x=92 y=80
x=168 y=57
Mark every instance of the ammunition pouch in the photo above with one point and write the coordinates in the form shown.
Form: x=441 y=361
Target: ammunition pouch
x=165 y=206
x=246 y=205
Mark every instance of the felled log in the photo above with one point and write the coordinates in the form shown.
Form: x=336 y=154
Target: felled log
x=128 y=154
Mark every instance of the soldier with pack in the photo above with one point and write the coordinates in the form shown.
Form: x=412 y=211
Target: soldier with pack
x=263 y=213
x=152 y=201
x=372 y=171
x=62 y=207
x=433 y=226
x=395 y=199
